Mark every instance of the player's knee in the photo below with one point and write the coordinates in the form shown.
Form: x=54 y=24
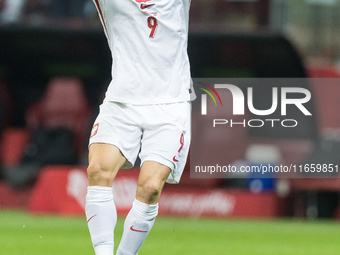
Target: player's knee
x=99 y=174
x=149 y=191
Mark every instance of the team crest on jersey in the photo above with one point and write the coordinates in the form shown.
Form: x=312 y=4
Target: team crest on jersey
x=94 y=130
x=142 y=1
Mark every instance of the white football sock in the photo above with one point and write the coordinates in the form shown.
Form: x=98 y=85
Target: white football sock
x=101 y=215
x=137 y=226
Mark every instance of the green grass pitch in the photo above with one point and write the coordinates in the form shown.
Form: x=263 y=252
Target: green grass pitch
x=25 y=234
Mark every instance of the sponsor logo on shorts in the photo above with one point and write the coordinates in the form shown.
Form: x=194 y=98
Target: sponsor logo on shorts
x=94 y=130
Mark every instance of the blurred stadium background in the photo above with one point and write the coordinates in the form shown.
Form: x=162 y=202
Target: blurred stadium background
x=54 y=69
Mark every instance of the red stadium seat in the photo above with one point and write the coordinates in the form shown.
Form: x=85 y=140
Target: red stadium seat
x=323 y=72
x=64 y=104
x=13 y=141
x=328 y=119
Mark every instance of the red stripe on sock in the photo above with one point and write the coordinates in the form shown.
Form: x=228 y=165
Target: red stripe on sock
x=136 y=230
x=91 y=218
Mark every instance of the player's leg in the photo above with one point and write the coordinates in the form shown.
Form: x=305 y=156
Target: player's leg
x=105 y=160
x=115 y=140
x=151 y=181
x=165 y=144
x=142 y=215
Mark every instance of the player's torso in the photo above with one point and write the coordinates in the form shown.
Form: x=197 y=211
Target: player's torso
x=148 y=40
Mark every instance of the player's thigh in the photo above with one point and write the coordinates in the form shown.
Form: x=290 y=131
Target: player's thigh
x=116 y=125
x=151 y=181
x=167 y=140
x=105 y=160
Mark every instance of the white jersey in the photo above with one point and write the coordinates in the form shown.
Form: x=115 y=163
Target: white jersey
x=148 y=42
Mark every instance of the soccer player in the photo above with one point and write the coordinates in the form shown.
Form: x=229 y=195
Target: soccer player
x=146 y=111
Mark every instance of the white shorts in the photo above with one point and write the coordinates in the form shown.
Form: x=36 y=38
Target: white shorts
x=159 y=132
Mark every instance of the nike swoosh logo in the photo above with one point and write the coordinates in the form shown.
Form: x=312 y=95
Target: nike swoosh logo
x=91 y=218
x=136 y=230
x=144 y=6
x=174 y=159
